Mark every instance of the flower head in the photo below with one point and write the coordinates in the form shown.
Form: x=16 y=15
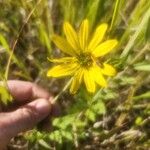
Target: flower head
x=83 y=52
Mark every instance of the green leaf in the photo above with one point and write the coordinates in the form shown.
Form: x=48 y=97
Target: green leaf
x=64 y=122
x=125 y=80
x=80 y=123
x=67 y=134
x=138 y=121
x=44 y=37
x=142 y=67
x=142 y=96
x=99 y=108
x=5 y=96
x=56 y=136
x=147 y=35
x=34 y=135
x=44 y=144
x=108 y=94
x=4 y=42
x=90 y=115
x=78 y=106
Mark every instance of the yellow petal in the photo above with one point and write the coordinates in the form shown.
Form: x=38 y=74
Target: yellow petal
x=89 y=81
x=71 y=36
x=76 y=82
x=62 y=70
x=63 y=45
x=104 y=48
x=63 y=60
x=98 y=36
x=83 y=34
x=98 y=77
x=108 y=70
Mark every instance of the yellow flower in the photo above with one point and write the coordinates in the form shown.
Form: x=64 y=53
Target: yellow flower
x=83 y=52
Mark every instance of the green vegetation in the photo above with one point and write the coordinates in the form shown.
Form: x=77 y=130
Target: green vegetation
x=113 y=118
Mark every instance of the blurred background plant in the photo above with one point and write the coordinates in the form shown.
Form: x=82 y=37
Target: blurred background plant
x=113 y=118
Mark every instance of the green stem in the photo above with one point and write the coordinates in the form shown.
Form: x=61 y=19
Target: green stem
x=64 y=89
x=115 y=13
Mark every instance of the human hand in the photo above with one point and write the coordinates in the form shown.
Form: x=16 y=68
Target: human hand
x=31 y=105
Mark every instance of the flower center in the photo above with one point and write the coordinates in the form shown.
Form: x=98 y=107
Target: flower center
x=85 y=59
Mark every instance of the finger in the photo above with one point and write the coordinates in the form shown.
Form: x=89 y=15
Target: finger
x=22 y=91
x=23 y=119
x=46 y=124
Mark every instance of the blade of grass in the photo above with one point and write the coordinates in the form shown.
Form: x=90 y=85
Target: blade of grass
x=134 y=19
x=92 y=10
x=16 y=41
x=140 y=27
x=146 y=95
x=7 y=48
x=14 y=58
x=115 y=14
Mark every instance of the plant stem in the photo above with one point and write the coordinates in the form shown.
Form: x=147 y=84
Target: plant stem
x=64 y=89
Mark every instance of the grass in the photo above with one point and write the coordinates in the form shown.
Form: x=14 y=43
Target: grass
x=113 y=118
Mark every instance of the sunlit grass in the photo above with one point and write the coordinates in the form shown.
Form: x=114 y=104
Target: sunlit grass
x=121 y=110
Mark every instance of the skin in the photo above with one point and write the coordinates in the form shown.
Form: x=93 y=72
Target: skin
x=31 y=105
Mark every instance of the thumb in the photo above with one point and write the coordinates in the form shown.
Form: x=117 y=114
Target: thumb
x=23 y=118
